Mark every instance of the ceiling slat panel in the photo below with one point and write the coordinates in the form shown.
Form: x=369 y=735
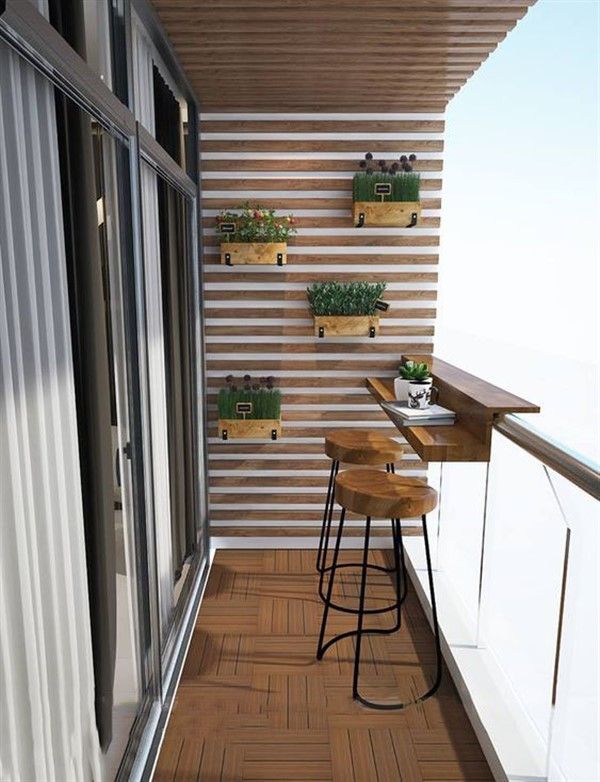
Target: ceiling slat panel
x=334 y=55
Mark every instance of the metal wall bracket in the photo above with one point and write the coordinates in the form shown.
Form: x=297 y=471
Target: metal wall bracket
x=273 y=434
x=321 y=331
x=279 y=259
x=361 y=220
x=228 y=259
x=413 y=220
x=224 y=434
x=371 y=331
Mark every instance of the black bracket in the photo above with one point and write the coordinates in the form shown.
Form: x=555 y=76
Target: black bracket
x=273 y=434
x=413 y=220
x=228 y=259
x=361 y=220
x=224 y=434
x=321 y=331
x=279 y=259
x=371 y=331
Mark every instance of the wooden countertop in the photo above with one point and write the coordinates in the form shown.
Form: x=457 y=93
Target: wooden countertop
x=476 y=404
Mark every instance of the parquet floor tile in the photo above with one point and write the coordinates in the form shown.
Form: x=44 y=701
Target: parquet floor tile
x=254 y=703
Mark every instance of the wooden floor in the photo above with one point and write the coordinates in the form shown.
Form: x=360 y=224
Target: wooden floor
x=254 y=704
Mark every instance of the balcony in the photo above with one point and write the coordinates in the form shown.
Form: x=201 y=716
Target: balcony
x=236 y=239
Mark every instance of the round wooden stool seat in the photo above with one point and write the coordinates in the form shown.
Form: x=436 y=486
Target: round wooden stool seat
x=384 y=495
x=362 y=446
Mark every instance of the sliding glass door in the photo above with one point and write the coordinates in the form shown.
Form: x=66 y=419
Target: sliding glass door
x=167 y=219
x=126 y=221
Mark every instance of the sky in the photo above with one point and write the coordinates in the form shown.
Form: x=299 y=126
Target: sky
x=520 y=267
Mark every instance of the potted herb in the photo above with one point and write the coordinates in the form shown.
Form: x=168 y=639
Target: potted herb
x=250 y=410
x=386 y=193
x=346 y=308
x=410 y=371
x=253 y=234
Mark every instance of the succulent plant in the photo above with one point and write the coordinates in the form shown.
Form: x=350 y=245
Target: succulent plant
x=412 y=370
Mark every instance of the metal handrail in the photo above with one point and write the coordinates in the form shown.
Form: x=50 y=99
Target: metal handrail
x=571 y=466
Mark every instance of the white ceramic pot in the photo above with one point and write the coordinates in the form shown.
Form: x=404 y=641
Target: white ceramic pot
x=401 y=389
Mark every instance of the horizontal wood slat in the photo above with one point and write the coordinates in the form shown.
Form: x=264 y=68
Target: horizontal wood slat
x=256 y=482
x=302 y=203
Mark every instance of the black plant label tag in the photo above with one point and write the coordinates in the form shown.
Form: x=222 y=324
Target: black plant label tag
x=383 y=188
x=243 y=407
x=382 y=305
x=227 y=228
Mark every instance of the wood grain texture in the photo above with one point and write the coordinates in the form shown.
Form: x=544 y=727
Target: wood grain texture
x=387 y=213
x=253 y=704
x=383 y=495
x=258 y=320
x=257 y=253
x=362 y=446
x=475 y=402
x=346 y=325
x=237 y=428
x=296 y=56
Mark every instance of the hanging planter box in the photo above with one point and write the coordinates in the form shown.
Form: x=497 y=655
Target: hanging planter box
x=387 y=214
x=346 y=325
x=240 y=428
x=238 y=253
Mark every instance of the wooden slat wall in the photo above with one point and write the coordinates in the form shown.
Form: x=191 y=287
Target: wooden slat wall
x=257 y=318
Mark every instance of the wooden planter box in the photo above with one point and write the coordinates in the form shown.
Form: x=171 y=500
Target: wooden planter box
x=346 y=325
x=388 y=214
x=234 y=253
x=238 y=428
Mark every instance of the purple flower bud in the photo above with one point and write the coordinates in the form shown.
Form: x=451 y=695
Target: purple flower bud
x=406 y=167
x=247 y=378
x=229 y=379
x=369 y=156
x=363 y=164
x=412 y=157
x=381 y=163
x=403 y=159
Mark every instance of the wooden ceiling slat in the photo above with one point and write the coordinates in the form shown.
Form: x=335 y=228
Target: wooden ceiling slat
x=297 y=55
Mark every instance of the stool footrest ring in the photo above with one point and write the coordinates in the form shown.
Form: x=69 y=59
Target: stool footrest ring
x=346 y=609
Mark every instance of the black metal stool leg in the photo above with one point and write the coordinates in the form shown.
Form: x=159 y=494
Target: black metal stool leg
x=336 y=551
x=361 y=608
x=327 y=514
x=436 y=632
x=395 y=606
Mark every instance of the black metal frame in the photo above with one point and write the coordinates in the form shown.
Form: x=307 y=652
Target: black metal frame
x=399 y=571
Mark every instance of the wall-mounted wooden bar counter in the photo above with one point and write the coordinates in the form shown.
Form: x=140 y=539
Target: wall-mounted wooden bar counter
x=476 y=404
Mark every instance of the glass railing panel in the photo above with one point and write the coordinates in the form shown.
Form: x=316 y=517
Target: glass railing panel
x=574 y=750
x=522 y=576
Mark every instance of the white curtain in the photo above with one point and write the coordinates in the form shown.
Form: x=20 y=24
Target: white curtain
x=144 y=112
x=48 y=726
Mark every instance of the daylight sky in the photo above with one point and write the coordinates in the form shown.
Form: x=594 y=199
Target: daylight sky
x=519 y=257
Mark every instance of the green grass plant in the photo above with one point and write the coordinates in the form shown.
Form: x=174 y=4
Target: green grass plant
x=344 y=298
x=266 y=400
x=405 y=186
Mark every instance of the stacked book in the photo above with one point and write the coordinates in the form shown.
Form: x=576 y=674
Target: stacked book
x=435 y=415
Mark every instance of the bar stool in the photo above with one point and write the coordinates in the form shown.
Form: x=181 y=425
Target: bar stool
x=373 y=493
x=363 y=447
